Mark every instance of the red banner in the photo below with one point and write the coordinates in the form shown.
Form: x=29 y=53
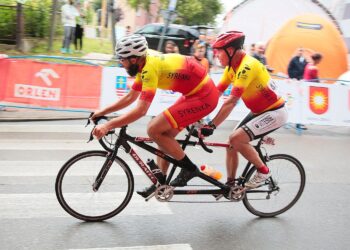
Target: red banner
x=318 y=99
x=50 y=85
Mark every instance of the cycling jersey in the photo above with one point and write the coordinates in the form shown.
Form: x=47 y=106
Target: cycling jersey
x=170 y=72
x=181 y=74
x=253 y=84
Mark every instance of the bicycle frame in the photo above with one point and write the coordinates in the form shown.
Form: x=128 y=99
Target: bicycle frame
x=124 y=139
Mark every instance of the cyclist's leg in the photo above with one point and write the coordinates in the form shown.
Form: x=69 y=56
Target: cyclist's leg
x=257 y=127
x=185 y=111
x=231 y=164
x=164 y=134
x=232 y=158
x=163 y=164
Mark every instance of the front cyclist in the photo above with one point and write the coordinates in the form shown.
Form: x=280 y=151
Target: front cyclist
x=252 y=83
x=171 y=72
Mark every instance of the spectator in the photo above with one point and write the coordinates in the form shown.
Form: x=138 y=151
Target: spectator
x=297 y=65
x=69 y=14
x=127 y=30
x=311 y=69
x=199 y=55
x=210 y=51
x=259 y=54
x=252 y=49
x=170 y=47
x=79 y=28
x=311 y=75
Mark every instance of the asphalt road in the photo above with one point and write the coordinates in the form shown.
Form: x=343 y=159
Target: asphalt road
x=30 y=217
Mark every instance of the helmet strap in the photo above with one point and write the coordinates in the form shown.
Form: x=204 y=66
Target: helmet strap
x=230 y=57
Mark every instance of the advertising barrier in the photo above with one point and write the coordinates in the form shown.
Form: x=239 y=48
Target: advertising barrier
x=91 y=87
x=50 y=85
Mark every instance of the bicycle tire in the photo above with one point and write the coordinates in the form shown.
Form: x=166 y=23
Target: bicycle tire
x=74 y=187
x=264 y=207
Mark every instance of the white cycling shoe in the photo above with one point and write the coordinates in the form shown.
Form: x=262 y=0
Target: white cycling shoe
x=257 y=180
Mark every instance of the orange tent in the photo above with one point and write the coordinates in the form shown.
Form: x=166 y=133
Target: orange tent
x=314 y=34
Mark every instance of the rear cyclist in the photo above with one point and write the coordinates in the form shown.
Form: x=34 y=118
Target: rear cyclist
x=252 y=83
x=171 y=72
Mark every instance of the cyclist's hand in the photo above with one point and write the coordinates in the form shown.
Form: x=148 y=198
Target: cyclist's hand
x=100 y=131
x=206 y=130
x=95 y=115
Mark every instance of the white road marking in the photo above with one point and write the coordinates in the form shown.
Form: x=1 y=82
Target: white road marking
x=51 y=168
x=44 y=205
x=154 y=247
x=31 y=144
x=45 y=128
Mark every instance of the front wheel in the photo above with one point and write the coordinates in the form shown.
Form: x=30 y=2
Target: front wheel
x=281 y=191
x=75 y=191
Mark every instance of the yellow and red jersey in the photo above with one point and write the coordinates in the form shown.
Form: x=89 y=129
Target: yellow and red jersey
x=253 y=84
x=169 y=72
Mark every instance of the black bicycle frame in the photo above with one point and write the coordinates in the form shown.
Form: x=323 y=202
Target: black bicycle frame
x=124 y=139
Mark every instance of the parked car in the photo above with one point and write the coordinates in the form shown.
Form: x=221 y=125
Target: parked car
x=182 y=35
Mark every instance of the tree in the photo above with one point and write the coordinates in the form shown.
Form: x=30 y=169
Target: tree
x=194 y=12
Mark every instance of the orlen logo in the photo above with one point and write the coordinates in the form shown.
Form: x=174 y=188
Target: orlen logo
x=39 y=92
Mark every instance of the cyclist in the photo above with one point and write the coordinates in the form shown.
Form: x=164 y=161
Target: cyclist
x=252 y=83
x=171 y=72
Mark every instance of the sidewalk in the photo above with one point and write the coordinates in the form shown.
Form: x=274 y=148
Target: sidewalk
x=11 y=114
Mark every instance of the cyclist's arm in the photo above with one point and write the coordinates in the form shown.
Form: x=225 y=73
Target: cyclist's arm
x=120 y=104
x=225 y=110
x=129 y=117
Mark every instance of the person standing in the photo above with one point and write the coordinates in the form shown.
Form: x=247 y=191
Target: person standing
x=297 y=65
x=296 y=68
x=170 y=47
x=69 y=14
x=311 y=69
x=79 y=29
x=259 y=54
x=199 y=55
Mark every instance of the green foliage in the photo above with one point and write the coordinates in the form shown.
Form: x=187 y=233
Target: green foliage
x=97 y=4
x=194 y=12
x=135 y=4
x=36 y=17
x=7 y=20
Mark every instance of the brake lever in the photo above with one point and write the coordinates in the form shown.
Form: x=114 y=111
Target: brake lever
x=201 y=142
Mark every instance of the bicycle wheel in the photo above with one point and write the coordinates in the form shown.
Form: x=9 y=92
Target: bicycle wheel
x=281 y=191
x=75 y=193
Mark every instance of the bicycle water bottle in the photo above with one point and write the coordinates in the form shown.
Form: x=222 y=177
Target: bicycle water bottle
x=210 y=171
x=156 y=171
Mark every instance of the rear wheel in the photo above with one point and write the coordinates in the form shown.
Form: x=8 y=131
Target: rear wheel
x=74 y=187
x=281 y=191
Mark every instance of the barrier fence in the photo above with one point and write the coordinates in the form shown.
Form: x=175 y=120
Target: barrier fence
x=71 y=86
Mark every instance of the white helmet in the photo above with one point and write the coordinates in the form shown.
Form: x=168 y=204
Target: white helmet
x=132 y=45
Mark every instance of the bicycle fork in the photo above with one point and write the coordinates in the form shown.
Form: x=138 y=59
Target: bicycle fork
x=103 y=172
